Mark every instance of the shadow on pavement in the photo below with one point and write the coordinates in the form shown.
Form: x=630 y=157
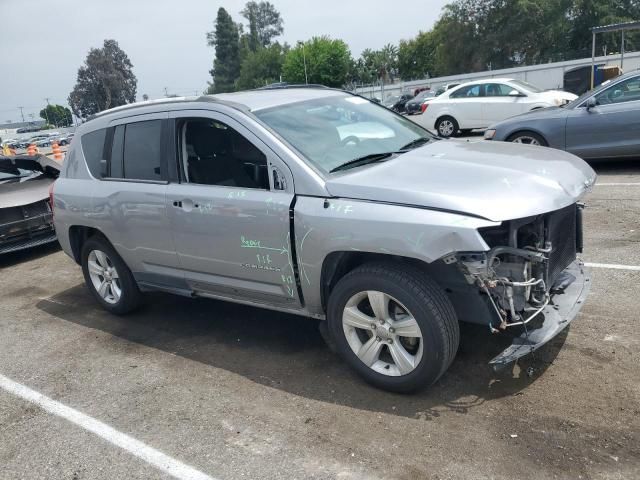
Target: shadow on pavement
x=13 y=258
x=616 y=167
x=287 y=352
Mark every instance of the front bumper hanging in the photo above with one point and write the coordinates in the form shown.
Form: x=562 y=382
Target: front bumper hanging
x=554 y=317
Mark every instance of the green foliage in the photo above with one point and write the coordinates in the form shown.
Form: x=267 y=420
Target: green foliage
x=265 y=23
x=105 y=80
x=57 y=115
x=473 y=35
x=226 y=65
x=416 y=57
x=262 y=67
x=328 y=62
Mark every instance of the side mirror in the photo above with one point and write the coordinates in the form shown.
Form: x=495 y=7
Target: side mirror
x=591 y=103
x=515 y=93
x=104 y=169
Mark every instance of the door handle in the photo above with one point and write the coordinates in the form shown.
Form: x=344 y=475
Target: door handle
x=187 y=204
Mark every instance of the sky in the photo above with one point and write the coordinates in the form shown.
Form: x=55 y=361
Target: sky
x=44 y=42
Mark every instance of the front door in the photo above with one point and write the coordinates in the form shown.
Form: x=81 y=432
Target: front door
x=610 y=129
x=230 y=211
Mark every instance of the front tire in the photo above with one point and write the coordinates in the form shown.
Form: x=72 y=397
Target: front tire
x=393 y=325
x=447 y=127
x=108 y=277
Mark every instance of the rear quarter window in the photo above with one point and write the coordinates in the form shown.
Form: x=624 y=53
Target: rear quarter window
x=93 y=149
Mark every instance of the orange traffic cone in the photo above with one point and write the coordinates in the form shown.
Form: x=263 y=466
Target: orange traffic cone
x=31 y=149
x=57 y=153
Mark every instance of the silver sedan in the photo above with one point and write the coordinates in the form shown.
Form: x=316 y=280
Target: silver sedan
x=603 y=123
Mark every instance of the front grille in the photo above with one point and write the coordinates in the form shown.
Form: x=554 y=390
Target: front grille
x=562 y=229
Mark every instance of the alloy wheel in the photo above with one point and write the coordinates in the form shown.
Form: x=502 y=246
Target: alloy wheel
x=104 y=276
x=382 y=333
x=526 y=140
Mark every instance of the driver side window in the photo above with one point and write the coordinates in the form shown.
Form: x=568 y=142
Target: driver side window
x=213 y=153
x=626 y=91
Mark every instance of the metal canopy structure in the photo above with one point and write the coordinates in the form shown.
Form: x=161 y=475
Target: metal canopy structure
x=616 y=27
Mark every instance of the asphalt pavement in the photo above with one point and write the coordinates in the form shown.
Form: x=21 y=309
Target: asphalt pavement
x=206 y=389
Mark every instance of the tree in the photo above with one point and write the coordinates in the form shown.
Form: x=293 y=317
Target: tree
x=416 y=57
x=265 y=23
x=262 y=67
x=226 y=65
x=57 y=115
x=105 y=80
x=328 y=62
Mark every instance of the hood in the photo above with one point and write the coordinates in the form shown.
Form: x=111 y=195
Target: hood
x=497 y=181
x=15 y=194
x=537 y=114
x=551 y=95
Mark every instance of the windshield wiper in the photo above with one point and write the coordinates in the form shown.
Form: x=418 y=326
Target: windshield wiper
x=356 y=162
x=416 y=143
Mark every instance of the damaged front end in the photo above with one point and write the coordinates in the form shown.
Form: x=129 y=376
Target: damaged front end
x=530 y=278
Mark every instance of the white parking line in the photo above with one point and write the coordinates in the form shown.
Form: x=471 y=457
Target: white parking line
x=618 y=184
x=141 y=450
x=613 y=266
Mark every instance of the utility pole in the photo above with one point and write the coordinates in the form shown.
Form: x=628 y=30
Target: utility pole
x=46 y=113
x=166 y=91
x=22 y=113
x=304 y=59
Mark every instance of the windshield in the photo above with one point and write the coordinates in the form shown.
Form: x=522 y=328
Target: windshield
x=425 y=94
x=588 y=93
x=526 y=86
x=332 y=131
x=391 y=100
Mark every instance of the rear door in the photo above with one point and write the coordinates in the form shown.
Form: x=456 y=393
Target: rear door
x=610 y=129
x=499 y=105
x=129 y=205
x=465 y=105
x=229 y=211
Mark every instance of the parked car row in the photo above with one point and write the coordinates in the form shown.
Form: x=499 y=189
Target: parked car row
x=603 y=123
x=476 y=105
x=44 y=140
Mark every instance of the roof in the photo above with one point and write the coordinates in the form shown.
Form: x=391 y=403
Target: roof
x=247 y=100
x=267 y=98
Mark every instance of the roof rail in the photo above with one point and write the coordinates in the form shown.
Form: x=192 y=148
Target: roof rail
x=279 y=85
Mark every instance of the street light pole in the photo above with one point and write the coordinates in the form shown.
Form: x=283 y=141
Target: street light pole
x=304 y=59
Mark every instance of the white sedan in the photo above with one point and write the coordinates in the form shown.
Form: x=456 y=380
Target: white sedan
x=476 y=105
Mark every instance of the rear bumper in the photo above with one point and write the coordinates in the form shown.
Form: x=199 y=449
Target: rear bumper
x=556 y=316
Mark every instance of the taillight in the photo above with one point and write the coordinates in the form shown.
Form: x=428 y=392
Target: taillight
x=51 y=196
x=423 y=107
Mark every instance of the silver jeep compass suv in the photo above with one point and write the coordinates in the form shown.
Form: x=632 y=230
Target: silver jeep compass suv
x=321 y=203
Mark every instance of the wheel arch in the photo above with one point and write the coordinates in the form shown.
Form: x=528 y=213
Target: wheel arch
x=78 y=235
x=338 y=263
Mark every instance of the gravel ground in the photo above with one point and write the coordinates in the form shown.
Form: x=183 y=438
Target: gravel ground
x=238 y=392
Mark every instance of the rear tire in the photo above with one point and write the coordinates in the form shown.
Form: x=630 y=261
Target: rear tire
x=528 y=138
x=447 y=127
x=108 y=277
x=393 y=325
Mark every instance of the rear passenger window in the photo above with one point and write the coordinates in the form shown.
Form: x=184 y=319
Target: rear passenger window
x=93 y=149
x=142 y=150
x=471 y=91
